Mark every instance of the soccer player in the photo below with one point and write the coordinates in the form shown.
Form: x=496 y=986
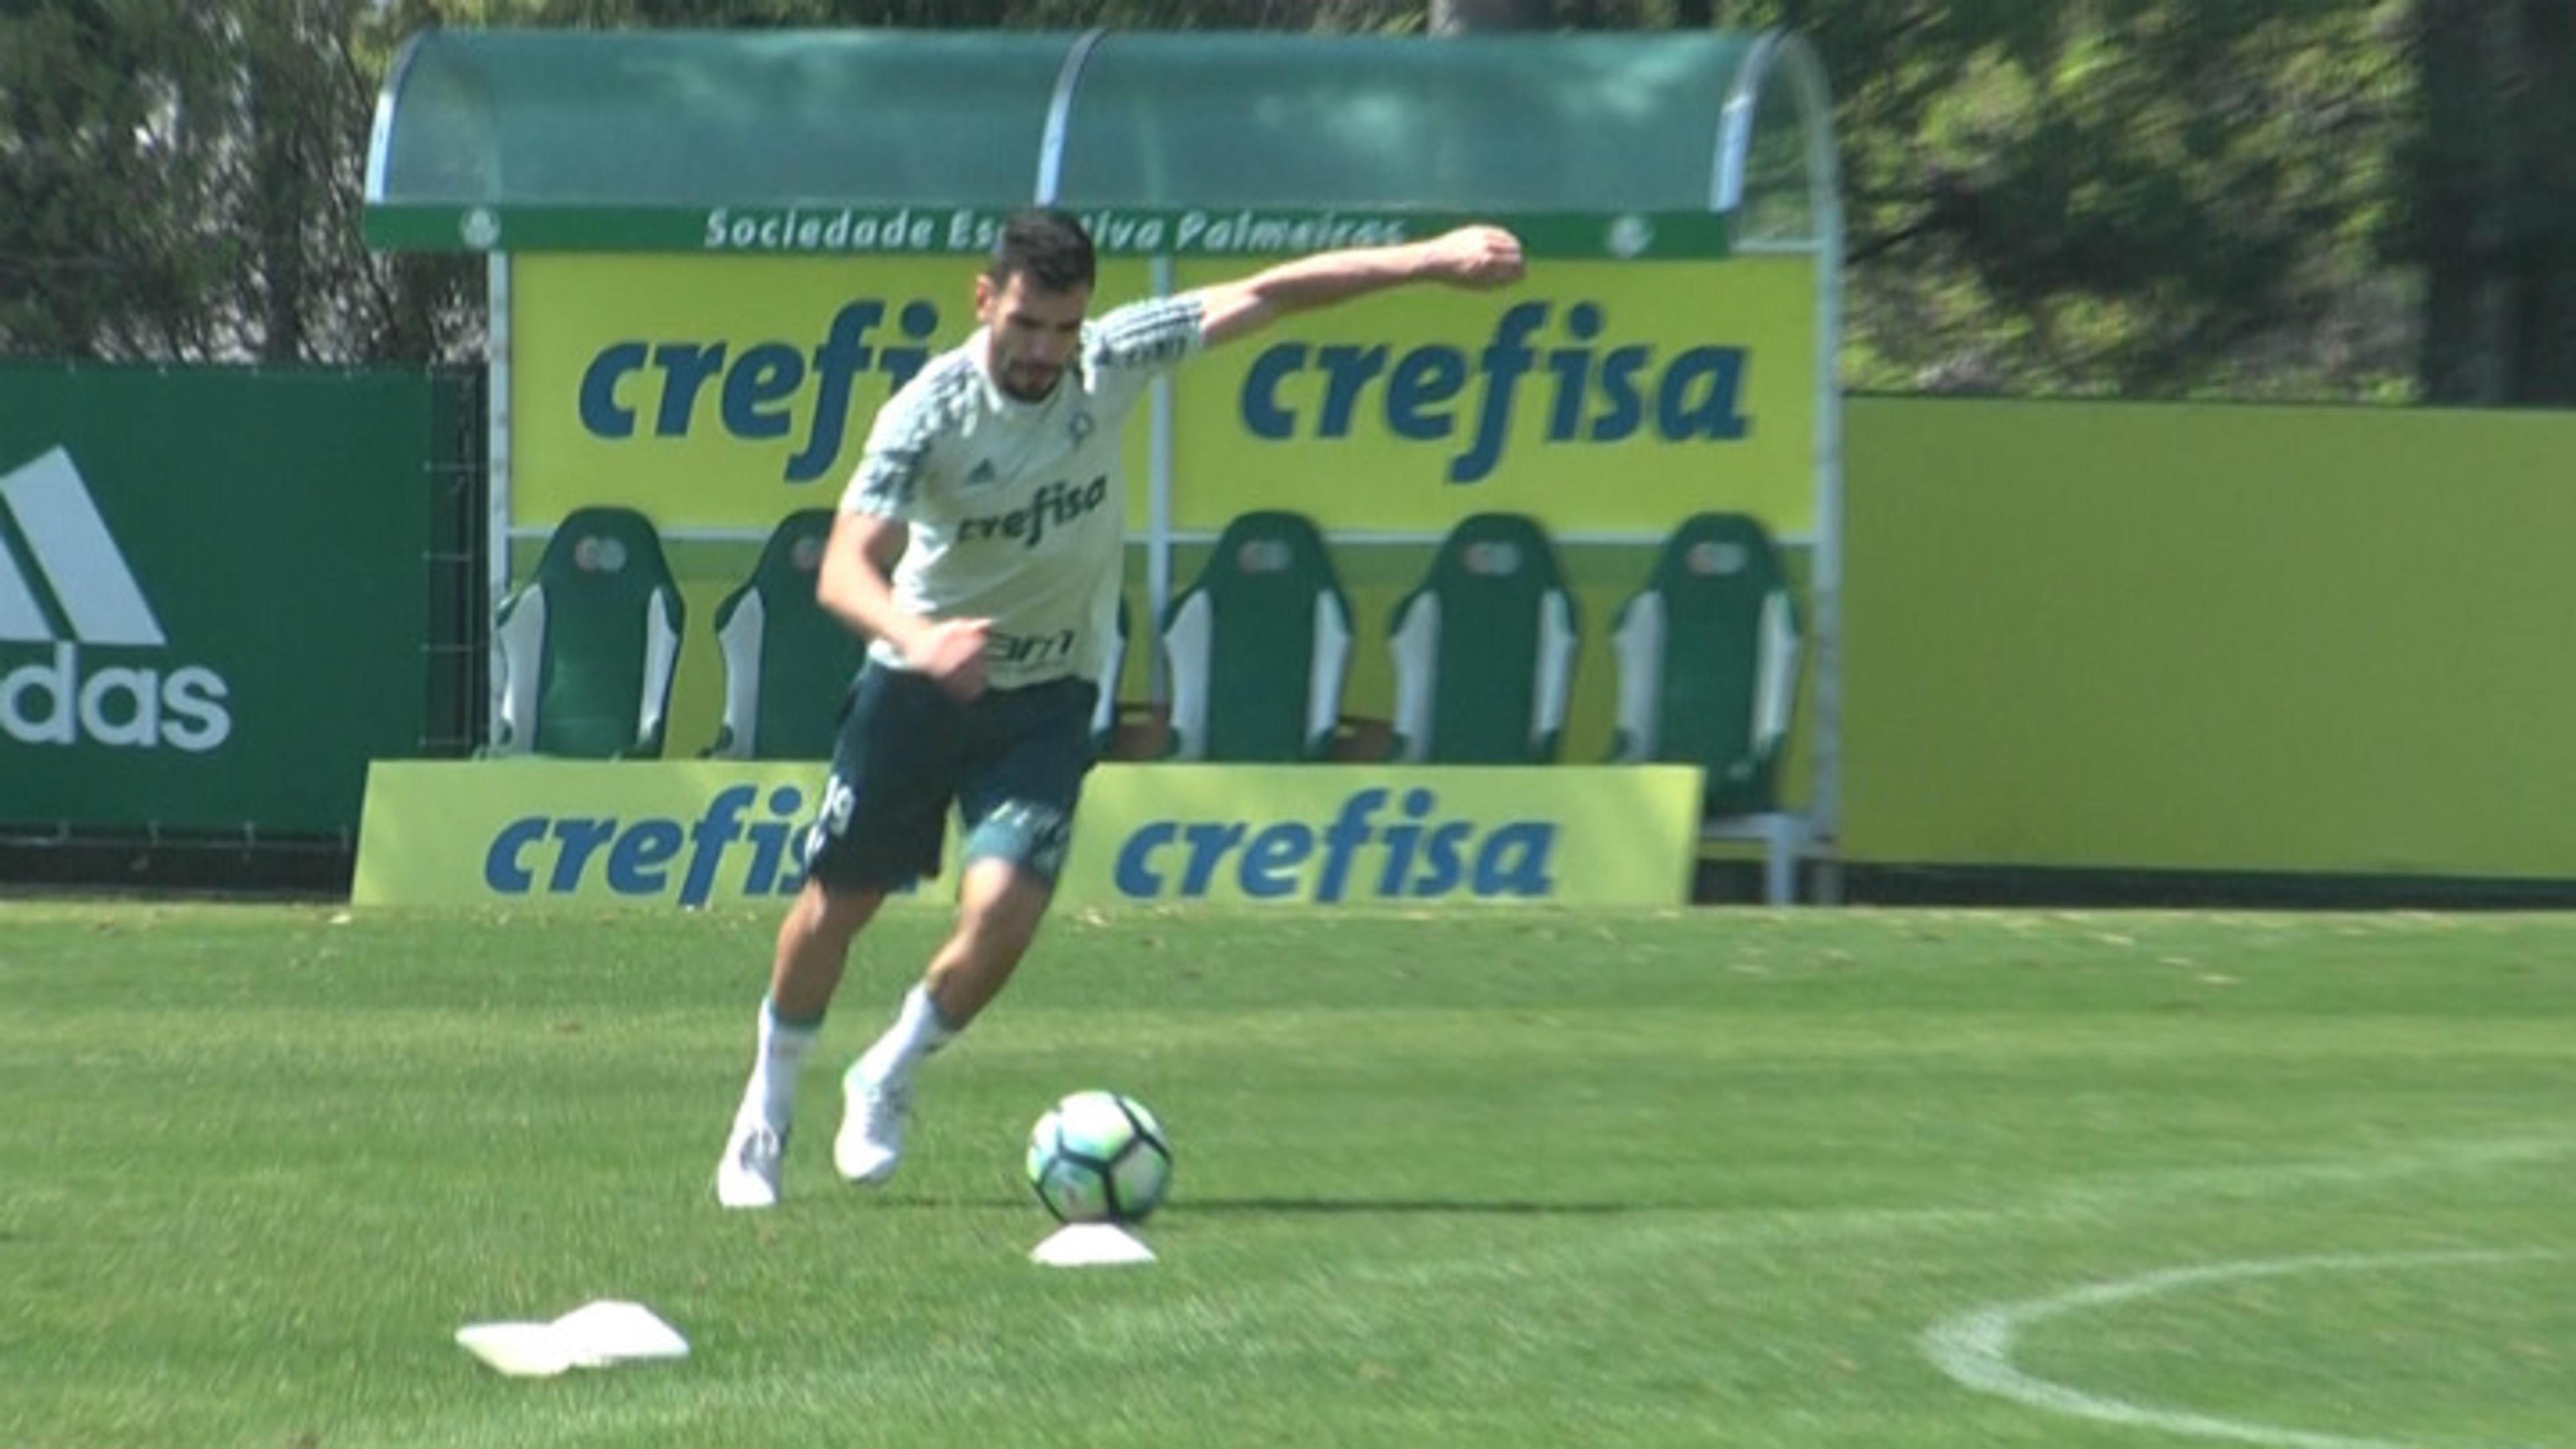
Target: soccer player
x=979 y=549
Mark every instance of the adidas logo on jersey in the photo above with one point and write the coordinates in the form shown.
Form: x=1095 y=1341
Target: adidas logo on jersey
x=61 y=699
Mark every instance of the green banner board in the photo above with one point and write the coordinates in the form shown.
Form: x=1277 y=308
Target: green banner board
x=214 y=592
x=861 y=229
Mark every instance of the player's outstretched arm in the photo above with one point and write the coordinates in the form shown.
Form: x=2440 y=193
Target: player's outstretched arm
x=1471 y=256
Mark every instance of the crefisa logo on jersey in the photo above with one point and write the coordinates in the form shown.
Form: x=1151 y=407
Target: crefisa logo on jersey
x=104 y=674
x=1053 y=506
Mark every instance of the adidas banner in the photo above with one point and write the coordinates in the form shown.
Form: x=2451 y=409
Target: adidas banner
x=213 y=594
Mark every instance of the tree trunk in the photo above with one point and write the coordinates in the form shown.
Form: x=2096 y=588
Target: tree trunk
x=2466 y=169
x=1468 y=17
x=2495 y=186
x=276 y=196
x=2541 y=229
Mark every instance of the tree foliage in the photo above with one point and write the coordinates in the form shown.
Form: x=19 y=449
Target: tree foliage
x=109 y=205
x=2368 y=199
x=182 y=181
x=2133 y=197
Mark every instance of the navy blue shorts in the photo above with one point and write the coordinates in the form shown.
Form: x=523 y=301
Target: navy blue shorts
x=1011 y=763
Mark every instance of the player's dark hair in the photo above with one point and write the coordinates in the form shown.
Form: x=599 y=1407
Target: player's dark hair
x=1047 y=246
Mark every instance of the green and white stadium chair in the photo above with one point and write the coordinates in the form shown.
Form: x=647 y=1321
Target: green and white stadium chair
x=589 y=643
x=788 y=662
x=1708 y=668
x=1484 y=649
x=1259 y=647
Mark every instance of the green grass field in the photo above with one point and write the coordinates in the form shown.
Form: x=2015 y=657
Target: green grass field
x=1857 y=1178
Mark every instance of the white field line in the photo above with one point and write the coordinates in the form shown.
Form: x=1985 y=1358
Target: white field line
x=1976 y=1348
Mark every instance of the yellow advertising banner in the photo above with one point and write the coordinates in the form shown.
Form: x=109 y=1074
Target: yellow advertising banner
x=1446 y=835
x=676 y=833
x=1609 y=400
x=2222 y=637
x=1595 y=396
x=695 y=833
x=723 y=392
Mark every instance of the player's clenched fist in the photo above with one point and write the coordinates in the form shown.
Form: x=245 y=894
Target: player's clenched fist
x=1476 y=256
x=951 y=652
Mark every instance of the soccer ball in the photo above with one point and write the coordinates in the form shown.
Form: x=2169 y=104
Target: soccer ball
x=1098 y=1157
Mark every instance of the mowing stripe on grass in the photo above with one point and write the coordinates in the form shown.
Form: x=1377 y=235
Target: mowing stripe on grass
x=1976 y=1348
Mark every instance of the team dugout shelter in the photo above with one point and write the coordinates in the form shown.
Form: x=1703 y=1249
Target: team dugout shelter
x=711 y=255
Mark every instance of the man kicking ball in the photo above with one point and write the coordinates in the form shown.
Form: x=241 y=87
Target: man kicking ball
x=979 y=549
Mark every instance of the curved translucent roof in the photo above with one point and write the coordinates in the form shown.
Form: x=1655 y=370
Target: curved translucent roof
x=1565 y=123
x=680 y=117
x=551 y=124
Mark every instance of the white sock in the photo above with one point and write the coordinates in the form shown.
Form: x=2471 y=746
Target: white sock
x=918 y=1031
x=773 y=1070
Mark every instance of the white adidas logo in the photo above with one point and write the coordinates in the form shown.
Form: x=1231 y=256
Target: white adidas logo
x=53 y=702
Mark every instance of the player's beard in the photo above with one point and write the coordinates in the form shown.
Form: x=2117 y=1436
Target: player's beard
x=1029 y=381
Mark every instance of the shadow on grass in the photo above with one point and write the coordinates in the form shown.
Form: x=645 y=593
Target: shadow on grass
x=1428 y=1207
x=1333 y=1207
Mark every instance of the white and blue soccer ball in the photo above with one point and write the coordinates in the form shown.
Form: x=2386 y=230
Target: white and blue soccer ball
x=1099 y=1157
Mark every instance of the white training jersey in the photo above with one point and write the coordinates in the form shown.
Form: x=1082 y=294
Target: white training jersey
x=1016 y=509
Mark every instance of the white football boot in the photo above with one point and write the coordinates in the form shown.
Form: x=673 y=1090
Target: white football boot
x=753 y=1158
x=872 y=1117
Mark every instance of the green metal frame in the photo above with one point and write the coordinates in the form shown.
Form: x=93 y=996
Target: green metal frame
x=1203 y=143
x=1646 y=147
